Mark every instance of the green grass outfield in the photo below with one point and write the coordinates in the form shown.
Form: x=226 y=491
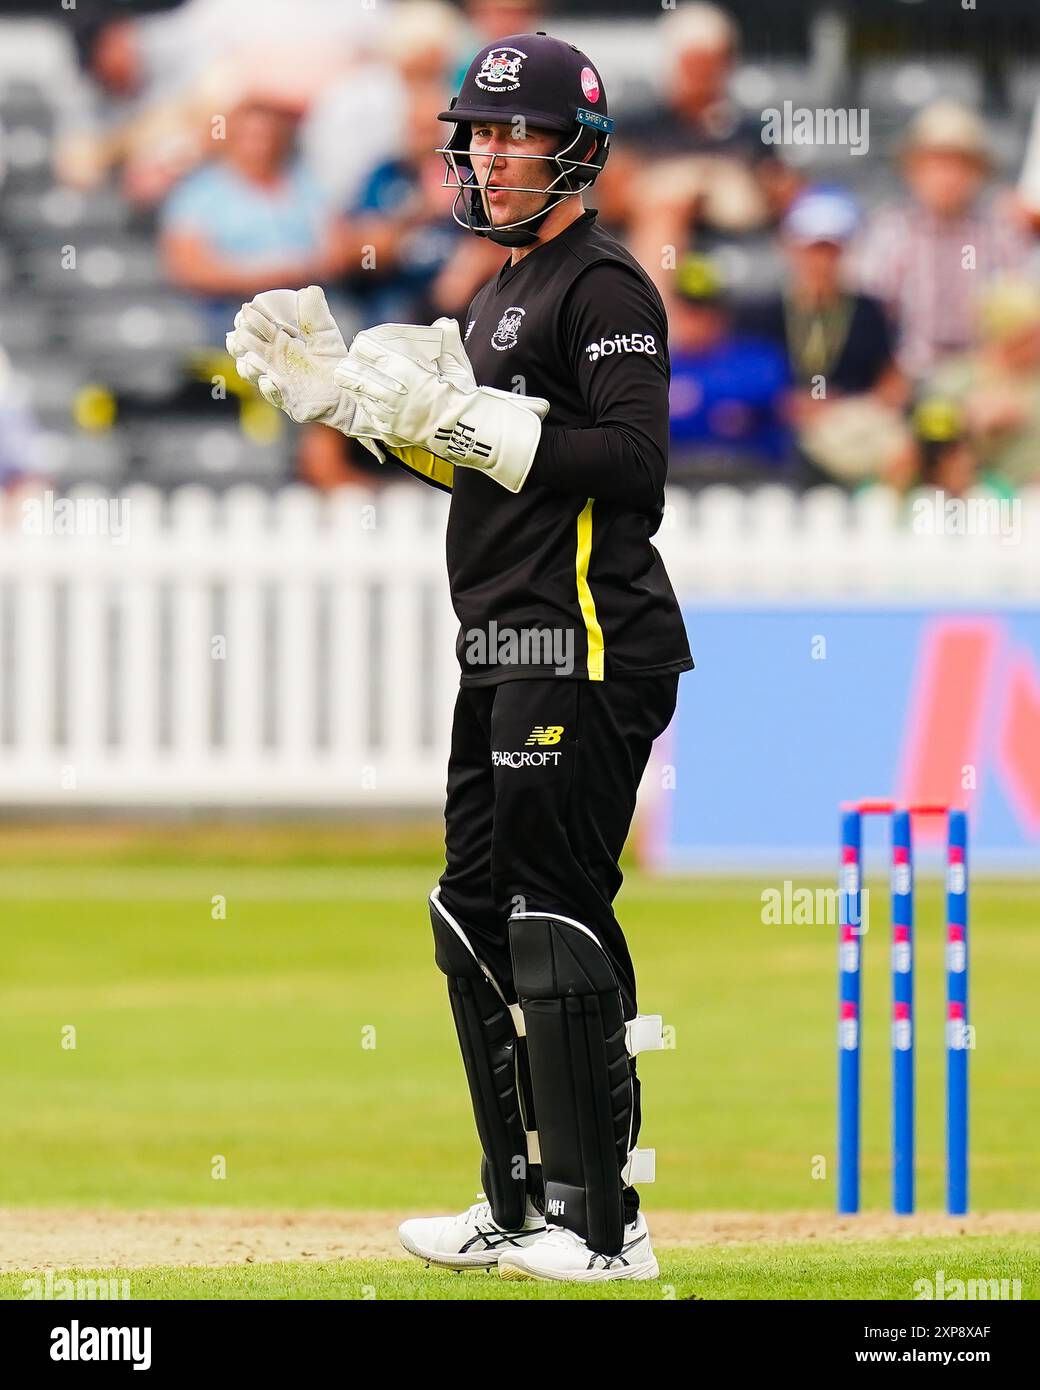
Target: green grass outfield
x=305 y=1039
x=796 y=1270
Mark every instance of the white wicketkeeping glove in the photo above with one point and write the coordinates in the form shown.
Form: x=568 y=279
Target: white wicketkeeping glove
x=287 y=343
x=440 y=407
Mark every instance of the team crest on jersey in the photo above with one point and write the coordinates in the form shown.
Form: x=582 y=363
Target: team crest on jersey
x=505 y=334
x=500 y=70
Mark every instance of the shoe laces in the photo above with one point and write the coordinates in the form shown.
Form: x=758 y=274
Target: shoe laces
x=562 y=1236
x=481 y=1210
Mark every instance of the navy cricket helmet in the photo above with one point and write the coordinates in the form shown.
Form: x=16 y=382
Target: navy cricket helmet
x=550 y=85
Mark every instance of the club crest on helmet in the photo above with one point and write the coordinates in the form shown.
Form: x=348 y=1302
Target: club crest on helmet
x=500 y=70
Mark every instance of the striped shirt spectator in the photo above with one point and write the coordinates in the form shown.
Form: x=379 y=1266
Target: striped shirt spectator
x=930 y=257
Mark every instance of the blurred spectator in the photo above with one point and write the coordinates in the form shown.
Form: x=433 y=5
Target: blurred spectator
x=251 y=218
x=294 y=47
x=159 y=80
x=914 y=253
x=18 y=434
x=472 y=263
x=489 y=20
x=846 y=405
x=399 y=209
x=362 y=120
x=139 y=112
x=996 y=390
x=365 y=81
x=709 y=168
x=397 y=241
x=493 y=19
x=939 y=453
x=403 y=215
x=97 y=111
x=404 y=258
x=727 y=388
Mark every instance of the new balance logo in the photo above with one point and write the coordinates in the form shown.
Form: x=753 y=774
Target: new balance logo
x=544 y=735
x=461 y=442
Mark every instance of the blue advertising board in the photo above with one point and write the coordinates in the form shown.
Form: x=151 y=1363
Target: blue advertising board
x=792 y=711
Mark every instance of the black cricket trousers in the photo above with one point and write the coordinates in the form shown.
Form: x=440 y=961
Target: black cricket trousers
x=542 y=783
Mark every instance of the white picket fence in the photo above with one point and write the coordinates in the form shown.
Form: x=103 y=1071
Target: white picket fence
x=296 y=651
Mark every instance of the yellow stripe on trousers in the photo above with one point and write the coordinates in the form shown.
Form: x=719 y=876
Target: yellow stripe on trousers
x=586 y=602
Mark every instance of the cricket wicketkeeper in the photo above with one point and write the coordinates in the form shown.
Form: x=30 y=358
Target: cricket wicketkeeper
x=546 y=417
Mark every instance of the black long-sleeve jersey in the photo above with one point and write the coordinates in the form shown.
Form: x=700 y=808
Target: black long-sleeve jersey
x=562 y=577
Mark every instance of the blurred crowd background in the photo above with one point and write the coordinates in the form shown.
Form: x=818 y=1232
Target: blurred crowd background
x=862 y=309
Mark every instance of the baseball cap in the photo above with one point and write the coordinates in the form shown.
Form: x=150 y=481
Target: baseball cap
x=938 y=420
x=947 y=126
x=698 y=280
x=822 y=214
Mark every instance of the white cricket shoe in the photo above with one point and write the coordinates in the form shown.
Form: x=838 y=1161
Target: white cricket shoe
x=471 y=1240
x=562 y=1254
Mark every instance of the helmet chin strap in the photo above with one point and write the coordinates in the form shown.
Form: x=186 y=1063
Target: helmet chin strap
x=518 y=236
x=526 y=235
